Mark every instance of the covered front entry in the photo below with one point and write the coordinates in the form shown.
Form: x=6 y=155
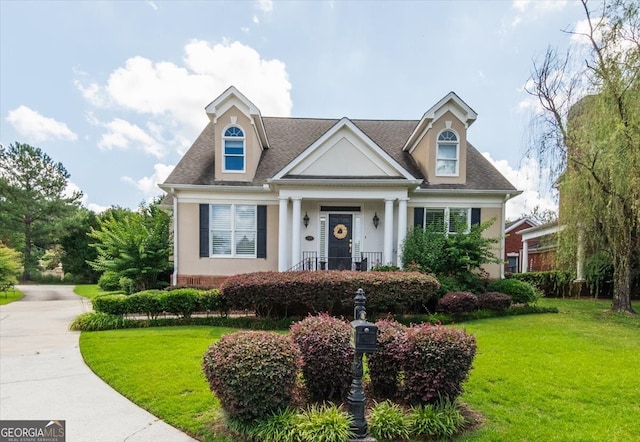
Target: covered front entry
x=340 y=241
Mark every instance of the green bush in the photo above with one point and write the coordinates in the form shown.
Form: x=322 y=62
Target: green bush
x=457 y=302
x=325 y=423
x=181 y=302
x=147 y=302
x=388 y=421
x=253 y=374
x=440 y=420
x=126 y=285
x=521 y=292
x=111 y=304
x=494 y=301
x=555 y=283
x=385 y=365
x=109 y=281
x=296 y=294
x=279 y=427
x=437 y=360
x=96 y=321
x=212 y=301
x=10 y=265
x=324 y=342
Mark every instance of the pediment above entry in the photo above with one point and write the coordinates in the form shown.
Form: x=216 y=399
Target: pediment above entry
x=344 y=151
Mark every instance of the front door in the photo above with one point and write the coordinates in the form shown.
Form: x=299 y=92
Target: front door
x=340 y=243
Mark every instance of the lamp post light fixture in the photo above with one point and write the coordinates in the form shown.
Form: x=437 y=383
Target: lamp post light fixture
x=376 y=220
x=305 y=220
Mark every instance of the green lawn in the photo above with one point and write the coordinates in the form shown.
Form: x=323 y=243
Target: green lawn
x=89 y=291
x=10 y=295
x=568 y=376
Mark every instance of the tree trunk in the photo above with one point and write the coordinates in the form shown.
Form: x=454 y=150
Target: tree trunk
x=27 y=249
x=622 y=284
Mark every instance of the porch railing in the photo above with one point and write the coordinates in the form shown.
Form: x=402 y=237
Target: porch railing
x=310 y=261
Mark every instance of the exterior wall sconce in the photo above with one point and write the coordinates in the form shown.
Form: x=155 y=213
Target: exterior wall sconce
x=305 y=220
x=376 y=220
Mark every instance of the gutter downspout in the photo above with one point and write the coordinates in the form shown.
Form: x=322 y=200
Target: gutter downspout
x=175 y=236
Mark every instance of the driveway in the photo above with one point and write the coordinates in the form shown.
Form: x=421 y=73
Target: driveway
x=43 y=375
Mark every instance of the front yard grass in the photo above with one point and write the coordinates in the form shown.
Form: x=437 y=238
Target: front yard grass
x=10 y=295
x=566 y=376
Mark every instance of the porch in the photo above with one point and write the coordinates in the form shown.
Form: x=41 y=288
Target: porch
x=365 y=262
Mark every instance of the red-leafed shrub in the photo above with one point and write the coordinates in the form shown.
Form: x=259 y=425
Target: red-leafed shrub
x=385 y=365
x=437 y=361
x=458 y=302
x=494 y=301
x=281 y=294
x=327 y=354
x=253 y=374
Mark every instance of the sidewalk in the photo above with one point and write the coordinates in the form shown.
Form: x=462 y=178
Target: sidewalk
x=43 y=376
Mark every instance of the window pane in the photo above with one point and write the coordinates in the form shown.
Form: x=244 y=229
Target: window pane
x=234 y=163
x=446 y=167
x=447 y=135
x=245 y=243
x=458 y=220
x=221 y=242
x=245 y=217
x=446 y=151
x=221 y=217
x=234 y=147
x=233 y=132
x=434 y=218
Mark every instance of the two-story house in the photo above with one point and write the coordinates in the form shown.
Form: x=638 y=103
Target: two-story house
x=257 y=193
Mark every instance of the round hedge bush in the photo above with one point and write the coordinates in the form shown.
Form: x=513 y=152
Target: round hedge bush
x=385 y=365
x=253 y=374
x=437 y=361
x=521 y=292
x=324 y=342
x=458 y=302
x=494 y=301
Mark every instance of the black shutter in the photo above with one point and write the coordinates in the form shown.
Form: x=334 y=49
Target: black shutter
x=204 y=230
x=418 y=217
x=261 y=245
x=475 y=216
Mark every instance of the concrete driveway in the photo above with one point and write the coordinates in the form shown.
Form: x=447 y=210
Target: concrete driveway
x=43 y=375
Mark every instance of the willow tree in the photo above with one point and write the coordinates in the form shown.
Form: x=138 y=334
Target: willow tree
x=589 y=137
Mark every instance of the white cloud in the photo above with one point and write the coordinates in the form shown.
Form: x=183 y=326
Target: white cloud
x=256 y=20
x=174 y=96
x=148 y=186
x=152 y=4
x=35 y=127
x=532 y=10
x=73 y=187
x=124 y=135
x=265 y=5
x=528 y=179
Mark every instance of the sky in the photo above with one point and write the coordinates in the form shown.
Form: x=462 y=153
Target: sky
x=116 y=90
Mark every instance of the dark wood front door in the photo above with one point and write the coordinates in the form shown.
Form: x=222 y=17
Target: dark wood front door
x=340 y=242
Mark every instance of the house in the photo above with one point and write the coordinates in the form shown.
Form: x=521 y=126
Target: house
x=257 y=193
x=539 y=247
x=513 y=243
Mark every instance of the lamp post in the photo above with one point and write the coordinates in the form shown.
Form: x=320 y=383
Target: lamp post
x=363 y=340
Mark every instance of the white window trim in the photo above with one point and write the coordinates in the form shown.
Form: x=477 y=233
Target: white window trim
x=244 y=149
x=457 y=158
x=233 y=254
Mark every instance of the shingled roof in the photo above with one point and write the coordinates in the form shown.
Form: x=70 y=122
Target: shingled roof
x=289 y=137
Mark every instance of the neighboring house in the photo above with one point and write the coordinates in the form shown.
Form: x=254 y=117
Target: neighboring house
x=539 y=246
x=258 y=193
x=513 y=243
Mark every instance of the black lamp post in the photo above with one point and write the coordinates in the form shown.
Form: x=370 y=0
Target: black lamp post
x=363 y=340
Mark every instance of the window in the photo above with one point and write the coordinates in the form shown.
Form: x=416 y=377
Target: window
x=458 y=220
x=512 y=264
x=233 y=141
x=434 y=218
x=447 y=154
x=233 y=229
x=449 y=220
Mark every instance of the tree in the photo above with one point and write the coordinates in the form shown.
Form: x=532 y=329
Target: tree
x=134 y=245
x=590 y=137
x=10 y=265
x=75 y=243
x=32 y=200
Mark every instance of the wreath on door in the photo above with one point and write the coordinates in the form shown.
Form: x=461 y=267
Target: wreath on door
x=340 y=231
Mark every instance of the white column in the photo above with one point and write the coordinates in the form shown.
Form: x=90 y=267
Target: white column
x=295 y=231
x=388 y=231
x=525 y=256
x=282 y=235
x=402 y=227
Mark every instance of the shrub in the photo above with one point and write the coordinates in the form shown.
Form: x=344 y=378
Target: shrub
x=325 y=423
x=253 y=374
x=126 y=285
x=300 y=293
x=437 y=363
x=324 y=342
x=279 y=427
x=521 y=292
x=110 y=304
x=494 y=301
x=385 y=364
x=109 y=281
x=441 y=420
x=388 y=421
x=552 y=283
x=457 y=302
x=212 y=301
x=147 y=302
x=95 y=321
x=181 y=302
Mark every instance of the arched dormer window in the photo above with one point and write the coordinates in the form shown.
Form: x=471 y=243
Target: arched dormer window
x=234 y=149
x=448 y=154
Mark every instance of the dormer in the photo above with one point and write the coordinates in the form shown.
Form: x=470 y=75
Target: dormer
x=240 y=136
x=438 y=144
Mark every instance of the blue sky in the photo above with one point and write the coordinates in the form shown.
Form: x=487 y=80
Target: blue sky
x=116 y=90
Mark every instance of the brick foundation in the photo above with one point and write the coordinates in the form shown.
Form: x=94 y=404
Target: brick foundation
x=214 y=281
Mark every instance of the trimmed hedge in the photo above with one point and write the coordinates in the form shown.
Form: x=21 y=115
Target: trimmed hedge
x=111 y=304
x=457 y=302
x=494 y=301
x=385 y=365
x=286 y=294
x=521 y=292
x=556 y=283
x=253 y=374
x=148 y=302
